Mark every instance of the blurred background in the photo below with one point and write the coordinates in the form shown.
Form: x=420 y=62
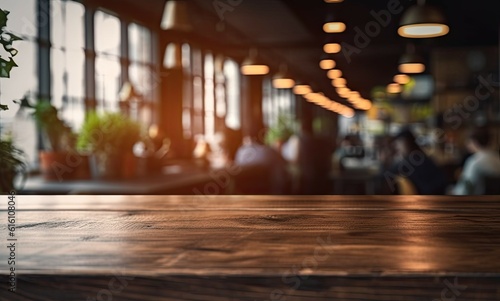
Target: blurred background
x=216 y=97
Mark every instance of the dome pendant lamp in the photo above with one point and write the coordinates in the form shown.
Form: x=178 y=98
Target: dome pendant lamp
x=176 y=16
x=411 y=63
x=252 y=66
x=423 y=21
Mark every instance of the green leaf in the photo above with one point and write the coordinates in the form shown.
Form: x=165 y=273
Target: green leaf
x=7 y=42
x=3 y=18
x=6 y=67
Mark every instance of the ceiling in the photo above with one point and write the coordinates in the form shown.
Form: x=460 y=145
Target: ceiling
x=290 y=31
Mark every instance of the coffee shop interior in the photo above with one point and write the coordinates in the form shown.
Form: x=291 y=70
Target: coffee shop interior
x=257 y=97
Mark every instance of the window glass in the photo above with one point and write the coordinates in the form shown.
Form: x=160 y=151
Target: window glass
x=68 y=60
x=209 y=97
x=232 y=74
x=108 y=68
x=23 y=79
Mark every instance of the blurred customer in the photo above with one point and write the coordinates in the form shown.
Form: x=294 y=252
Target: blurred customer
x=414 y=165
x=350 y=147
x=263 y=169
x=224 y=147
x=482 y=164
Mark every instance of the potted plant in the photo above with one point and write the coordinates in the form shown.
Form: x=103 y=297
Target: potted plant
x=278 y=134
x=110 y=139
x=58 y=159
x=12 y=165
x=12 y=161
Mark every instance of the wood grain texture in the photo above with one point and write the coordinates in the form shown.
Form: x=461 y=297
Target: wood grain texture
x=245 y=247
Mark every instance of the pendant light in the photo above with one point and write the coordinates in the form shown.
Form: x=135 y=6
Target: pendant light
x=334 y=73
x=176 y=16
x=423 y=21
x=411 y=63
x=252 y=66
x=394 y=88
x=402 y=79
x=302 y=89
x=283 y=80
x=327 y=63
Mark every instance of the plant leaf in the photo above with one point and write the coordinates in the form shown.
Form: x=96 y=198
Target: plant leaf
x=3 y=18
x=6 y=67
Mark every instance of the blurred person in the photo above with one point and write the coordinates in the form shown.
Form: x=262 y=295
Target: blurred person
x=483 y=162
x=350 y=147
x=224 y=147
x=264 y=169
x=411 y=163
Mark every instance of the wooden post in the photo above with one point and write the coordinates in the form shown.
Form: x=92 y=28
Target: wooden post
x=252 y=117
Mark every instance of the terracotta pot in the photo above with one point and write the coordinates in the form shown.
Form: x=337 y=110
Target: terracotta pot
x=54 y=167
x=129 y=166
x=64 y=166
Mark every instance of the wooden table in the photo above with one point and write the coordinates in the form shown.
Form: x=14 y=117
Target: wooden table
x=254 y=248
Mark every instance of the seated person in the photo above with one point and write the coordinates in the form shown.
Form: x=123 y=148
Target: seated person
x=412 y=163
x=483 y=163
x=268 y=169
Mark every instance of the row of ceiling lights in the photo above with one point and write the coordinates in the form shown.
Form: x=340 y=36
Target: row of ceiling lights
x=419 y=21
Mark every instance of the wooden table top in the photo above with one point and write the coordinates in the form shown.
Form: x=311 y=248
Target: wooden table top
x=256 y=236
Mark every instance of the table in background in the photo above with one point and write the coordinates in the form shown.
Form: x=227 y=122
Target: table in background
x=173 y=180
x=254 y=248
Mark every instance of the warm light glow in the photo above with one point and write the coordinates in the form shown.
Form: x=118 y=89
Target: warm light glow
x=354 y=95
x=334 y=1
x=327 y=64
x=339 y=82
x=402 y=79
x=313 y=97
x=425 y=30
x=153 y=131
x=334 y=106
x=394 y=88
x=283 y=83
x=363 y=104
x=334 y=73
x=343 y=92
x=332 y=48
x=334 y=27
x=412 y=68
x=254 y=70
x=348 y=113
x=367 y=105
x=302 y=89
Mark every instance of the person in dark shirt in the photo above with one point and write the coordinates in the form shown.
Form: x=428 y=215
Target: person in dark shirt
x=412 y=163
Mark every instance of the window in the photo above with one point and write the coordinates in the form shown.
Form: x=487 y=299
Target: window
x=268 y=110
x=108 y=68
x=209 y=97
x=141 y=71
x=277 y=103
x=24 y=79
x=233 y=112
x=188 y=91
x=68 y=60
x=197 y=82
